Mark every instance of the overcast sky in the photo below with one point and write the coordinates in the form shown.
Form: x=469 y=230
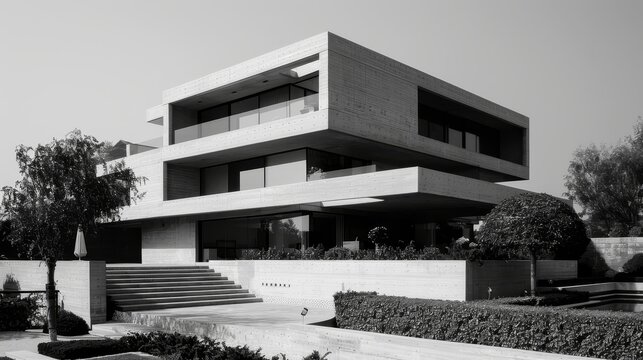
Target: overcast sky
x=575 y=68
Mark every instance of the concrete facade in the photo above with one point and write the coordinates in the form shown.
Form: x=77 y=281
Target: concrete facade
x=342 y=100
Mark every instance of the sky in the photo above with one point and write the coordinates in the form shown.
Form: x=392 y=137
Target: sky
x=575 y=68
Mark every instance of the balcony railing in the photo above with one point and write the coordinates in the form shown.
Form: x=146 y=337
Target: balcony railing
x=249 y=118
x=343 y=172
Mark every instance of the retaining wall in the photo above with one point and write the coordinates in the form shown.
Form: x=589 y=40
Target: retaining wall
x=312 y=283
x=81 y=284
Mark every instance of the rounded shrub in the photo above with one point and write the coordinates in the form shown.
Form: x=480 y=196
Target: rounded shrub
x=69 y=324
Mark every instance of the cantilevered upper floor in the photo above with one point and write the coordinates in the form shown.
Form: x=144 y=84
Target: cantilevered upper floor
x=333 y=95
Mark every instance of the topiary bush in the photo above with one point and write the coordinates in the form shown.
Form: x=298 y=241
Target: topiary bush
x=79 y=349
x=603 y=334
x=69 y=324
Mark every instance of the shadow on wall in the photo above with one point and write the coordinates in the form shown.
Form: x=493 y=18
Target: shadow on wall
x=606 y=257
x=591 y=263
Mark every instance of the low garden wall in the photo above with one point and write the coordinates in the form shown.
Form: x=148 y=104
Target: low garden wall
x=312 y=283
x=81 y=284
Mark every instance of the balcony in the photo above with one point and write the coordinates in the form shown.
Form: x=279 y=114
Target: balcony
x=252 y=117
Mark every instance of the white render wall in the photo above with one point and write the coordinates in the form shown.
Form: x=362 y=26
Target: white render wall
x=81 y=284
x=313 y=282
x=169 y=241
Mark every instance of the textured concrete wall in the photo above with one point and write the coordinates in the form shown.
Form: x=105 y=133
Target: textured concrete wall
x=313 y=283
x=610 y=254
x=81 y=284
x=376 y=97
x=169 y=241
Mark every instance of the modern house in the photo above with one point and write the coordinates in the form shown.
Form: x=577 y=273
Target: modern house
x=314 y=144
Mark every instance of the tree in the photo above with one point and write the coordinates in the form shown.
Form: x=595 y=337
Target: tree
x=60 y=189
x=608 y=184
x=533 y=226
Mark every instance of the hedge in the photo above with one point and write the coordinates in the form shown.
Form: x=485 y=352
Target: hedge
x=79 y=349
x=603 y=334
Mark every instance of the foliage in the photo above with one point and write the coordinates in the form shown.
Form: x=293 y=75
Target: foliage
x=634 y=266
x=608 y=182
x=60 y=188
x=338 y=253
x=464 y=249
x=80 y=349
x=69 y=324
x=160 y=343
x=635 y=231
x=316 y=356
x=10 y=283
x=537 y=224
x=15 y=314
x=618 y=230
x=602 y=334
x=379 y=237
x=384 y=253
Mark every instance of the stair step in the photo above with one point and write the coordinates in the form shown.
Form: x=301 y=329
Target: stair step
x=139 y=307
x=168 y=279
x=175 y=299
x=160 y=275
x=155 y=294
x=120 y=285
x=143 y=289
x=155 y=267
x=156 y=271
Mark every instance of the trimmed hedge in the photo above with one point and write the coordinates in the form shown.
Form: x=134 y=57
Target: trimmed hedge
x=603 y=334
x=15 y=314
x=338 y=253
x=79 y=349
x=69 y=324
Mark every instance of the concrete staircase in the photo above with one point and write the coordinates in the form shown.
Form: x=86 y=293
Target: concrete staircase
x=144 y=287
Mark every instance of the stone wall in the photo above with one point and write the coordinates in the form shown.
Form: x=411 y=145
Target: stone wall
x=81 y=284
x=312 y=283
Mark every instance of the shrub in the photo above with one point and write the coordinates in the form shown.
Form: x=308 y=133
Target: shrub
x=160 y=343
x=78 y=349
x=313 y=253
x=603 y=334
x=634 y=266
x=69 y=324
x=338 y=253
x=635 y=231
x=16 y=313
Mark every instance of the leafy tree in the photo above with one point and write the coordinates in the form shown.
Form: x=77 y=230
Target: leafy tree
x=530 y=226
x=59 y=190
x=608 y=184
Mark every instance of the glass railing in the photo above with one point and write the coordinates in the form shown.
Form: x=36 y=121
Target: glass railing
x=253 y=117
x=318 y=175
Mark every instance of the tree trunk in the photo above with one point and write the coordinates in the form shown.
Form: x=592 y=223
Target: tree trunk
x=52 y=305
x=533 y=273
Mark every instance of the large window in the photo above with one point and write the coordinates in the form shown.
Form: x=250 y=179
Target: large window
x=279 y=169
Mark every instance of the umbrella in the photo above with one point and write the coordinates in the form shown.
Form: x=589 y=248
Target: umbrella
x=80 y=249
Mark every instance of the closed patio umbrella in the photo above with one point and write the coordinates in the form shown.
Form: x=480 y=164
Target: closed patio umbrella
x=80 y=249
